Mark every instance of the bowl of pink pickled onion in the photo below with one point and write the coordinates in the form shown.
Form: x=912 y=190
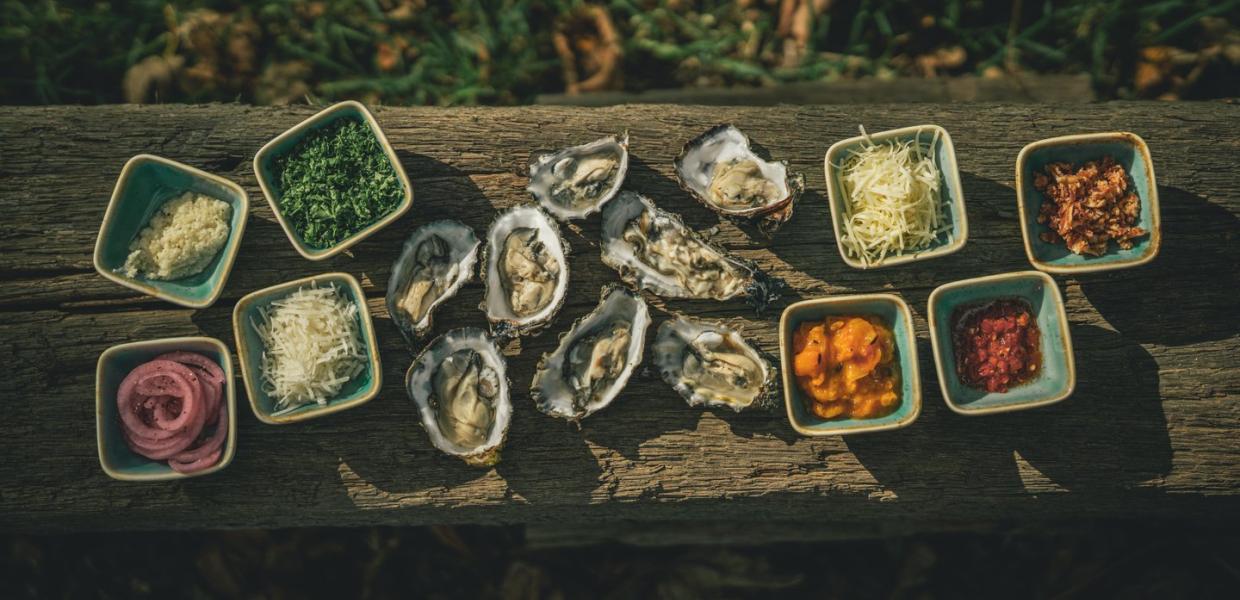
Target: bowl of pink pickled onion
x=165 y=409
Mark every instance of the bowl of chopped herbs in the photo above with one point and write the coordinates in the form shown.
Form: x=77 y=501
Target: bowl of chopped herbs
x=333 y=180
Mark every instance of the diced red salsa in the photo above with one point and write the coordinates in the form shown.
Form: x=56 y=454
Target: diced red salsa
x=996 y=344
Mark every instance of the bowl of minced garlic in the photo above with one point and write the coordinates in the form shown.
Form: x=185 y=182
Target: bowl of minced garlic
x=171 y=231
x=849 y=364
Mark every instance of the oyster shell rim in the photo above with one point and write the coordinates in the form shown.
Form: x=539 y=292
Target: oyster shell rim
x=468 y=267
x=768 y=393
x=562 y=213
x=488 y=454
x=761 y=290
x=636 y=352
x=503 y=327
x=772 y=215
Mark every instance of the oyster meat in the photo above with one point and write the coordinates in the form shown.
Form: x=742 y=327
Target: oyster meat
x=460 y=387
x=594 y=359
x=436 y=260
x=722 y=172
x=653 y=249
x=710 y=364
x=576 y=182
x=526 y=270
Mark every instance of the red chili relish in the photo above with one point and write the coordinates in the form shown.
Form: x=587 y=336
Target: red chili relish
x=996 y=344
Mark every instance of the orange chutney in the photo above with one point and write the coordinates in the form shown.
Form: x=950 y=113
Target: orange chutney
x=846 y=366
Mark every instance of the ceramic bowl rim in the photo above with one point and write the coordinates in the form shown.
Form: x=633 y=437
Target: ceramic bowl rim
x=301 y=128
x=1077 y=139
x=785 y=358
x=230 y=444
x=1064 y=332
x=251 y=380
x=832 y=173
x=231 y=247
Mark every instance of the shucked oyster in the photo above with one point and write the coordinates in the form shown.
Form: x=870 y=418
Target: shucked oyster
x=712 y=365
x=436 y=260
x=653 y=249
x=722 y=172
x=575 y=182
x=594 y=359
x=460 y=386
x=525 y=270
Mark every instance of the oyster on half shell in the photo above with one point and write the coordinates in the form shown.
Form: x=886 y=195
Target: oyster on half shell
x=722 y=172
x=436 y=260
x=710 y=364
x=576 y=182
x=653 y=249
x=460 y=386
x=594 y=359
x=525 y=269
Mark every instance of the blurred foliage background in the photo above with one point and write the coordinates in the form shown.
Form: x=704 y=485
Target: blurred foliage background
x=1087 y=560
x=404 y=52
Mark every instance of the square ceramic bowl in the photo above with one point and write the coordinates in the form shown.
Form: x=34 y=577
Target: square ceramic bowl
x=952 y=191
x=1058 y=376
x=264 y=169
x=118 y=461
x=359 y=390
x=1130 y=151
x=145 y=184
x=894 y=311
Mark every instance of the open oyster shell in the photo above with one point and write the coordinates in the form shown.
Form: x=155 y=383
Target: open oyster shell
x=576 y=182
x=436 y=260
x=710 y=364
x=653 y=249
x=460 y=385
x=595 y=357
x=525 y=269
x=722 y=172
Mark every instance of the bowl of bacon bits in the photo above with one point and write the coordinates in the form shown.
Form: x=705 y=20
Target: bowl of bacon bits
x=1001 y=343
x=1088 y=202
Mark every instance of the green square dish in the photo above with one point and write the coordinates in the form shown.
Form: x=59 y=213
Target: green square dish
x=952 y=191
x=145 y=184
x=264 y=169
x=117 y=460
x=1058 y=375
x=359 y=390
x=1130 y=151
x=893 y=310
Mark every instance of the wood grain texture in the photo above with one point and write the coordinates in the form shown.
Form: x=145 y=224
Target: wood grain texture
x=1150 y=431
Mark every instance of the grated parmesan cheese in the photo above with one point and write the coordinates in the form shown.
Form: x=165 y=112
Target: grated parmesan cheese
x=892 y=199
x=311 y=347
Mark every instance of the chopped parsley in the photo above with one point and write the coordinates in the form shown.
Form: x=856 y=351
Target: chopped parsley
x=335 y=182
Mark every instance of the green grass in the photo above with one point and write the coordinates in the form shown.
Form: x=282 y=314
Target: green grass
x=501 y=51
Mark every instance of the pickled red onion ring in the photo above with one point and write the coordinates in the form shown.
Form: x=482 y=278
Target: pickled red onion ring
x=166 y=406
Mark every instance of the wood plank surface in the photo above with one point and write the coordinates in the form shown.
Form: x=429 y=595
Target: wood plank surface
x=1152 y=429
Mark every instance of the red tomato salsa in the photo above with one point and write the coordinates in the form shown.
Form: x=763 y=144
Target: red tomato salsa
x=996 y=344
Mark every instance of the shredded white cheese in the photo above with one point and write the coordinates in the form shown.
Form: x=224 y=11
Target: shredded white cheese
x=311 y=346
x=181 y=239
x=892 y=199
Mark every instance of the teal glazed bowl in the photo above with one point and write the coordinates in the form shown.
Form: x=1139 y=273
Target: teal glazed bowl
x=952 y=192
x=891 y=309
x=145 y=184
x=118 y=461
x=1130 y=151
x=1057 y=378
x=264 y=168
x=361 y=389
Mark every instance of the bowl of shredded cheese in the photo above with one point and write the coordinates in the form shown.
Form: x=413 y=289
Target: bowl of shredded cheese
x=896 y=197
x=307 y=348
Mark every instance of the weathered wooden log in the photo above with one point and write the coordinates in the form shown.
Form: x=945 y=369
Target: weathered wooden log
x=1150 y=431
